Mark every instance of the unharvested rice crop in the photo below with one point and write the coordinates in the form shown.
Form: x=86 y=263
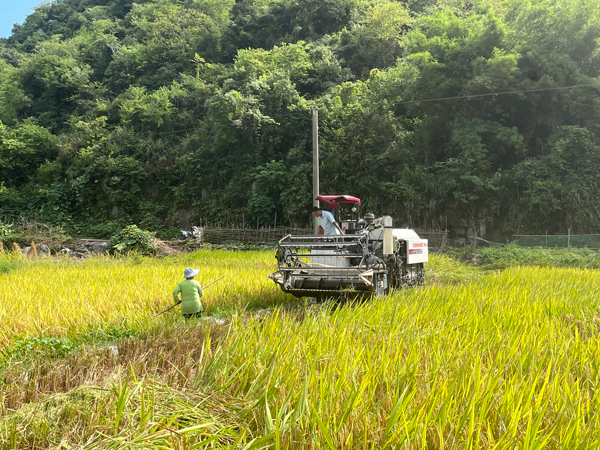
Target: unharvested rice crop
x=60 y=297
x=507 y=361
x=499 y=360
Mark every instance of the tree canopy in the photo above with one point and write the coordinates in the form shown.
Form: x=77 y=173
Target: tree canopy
x=436 y=112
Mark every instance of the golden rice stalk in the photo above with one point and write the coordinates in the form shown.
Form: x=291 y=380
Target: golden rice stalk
x=1 y=248
x=32 y=251
x=16 y=248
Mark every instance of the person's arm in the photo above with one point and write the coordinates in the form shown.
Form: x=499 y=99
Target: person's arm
x=176 y=292
x=199 y=287
x=338 y=227
x=332 y=220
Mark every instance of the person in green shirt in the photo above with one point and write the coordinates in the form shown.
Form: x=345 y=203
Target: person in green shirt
x=191 y=291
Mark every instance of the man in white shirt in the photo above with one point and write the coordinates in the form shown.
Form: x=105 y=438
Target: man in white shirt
x=326 y=222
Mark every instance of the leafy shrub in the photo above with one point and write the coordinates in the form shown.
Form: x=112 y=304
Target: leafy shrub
x=512 y=255
x=168 y=233
x=47 y=346
x=98 y=334
x=25 y=231
x=6 y=231
x=100 y=230
x=133 y=239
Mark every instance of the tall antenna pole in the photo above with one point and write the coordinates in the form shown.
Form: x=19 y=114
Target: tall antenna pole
x=315 y=130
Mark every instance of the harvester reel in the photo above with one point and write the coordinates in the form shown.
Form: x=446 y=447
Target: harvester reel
x=284 y=256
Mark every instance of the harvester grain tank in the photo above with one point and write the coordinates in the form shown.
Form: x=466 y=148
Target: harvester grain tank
x=370 y=258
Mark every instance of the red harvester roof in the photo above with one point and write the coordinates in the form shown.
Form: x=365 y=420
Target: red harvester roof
x=333 y=200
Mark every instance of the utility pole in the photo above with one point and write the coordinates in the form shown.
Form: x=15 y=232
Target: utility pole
x=315 y=130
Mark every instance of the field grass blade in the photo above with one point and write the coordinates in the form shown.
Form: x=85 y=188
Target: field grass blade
x=122 y=395
x=398 y=409
x=259 y=443
x=324 y=431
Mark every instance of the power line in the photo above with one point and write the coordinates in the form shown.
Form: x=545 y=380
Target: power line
x=490 y=94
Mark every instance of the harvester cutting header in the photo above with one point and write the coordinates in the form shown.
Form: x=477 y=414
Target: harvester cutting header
x=369 y=258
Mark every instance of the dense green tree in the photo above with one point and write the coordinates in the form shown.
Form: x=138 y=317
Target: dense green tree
x=114 y=111
x=12 y=98
x=557 y=191
x=23 y=148
x=256 y=25
x=55 y=81
x=375 y=41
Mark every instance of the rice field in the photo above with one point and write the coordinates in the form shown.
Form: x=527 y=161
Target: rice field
x=65 y=296
x=475 y=359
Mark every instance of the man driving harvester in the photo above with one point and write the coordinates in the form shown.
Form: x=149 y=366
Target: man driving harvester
x=191 y=291
x=327 y=224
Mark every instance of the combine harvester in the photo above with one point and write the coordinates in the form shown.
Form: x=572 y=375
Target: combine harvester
x=368 y=260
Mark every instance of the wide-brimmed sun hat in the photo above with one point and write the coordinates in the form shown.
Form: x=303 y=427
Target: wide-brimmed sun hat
x=189 y=272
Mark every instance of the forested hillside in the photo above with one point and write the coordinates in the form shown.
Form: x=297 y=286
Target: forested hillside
x=166 y=112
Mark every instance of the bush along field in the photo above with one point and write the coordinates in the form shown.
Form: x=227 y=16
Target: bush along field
x=494 y=359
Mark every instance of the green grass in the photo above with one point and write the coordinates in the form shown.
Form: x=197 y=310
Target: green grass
x=511 y=255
